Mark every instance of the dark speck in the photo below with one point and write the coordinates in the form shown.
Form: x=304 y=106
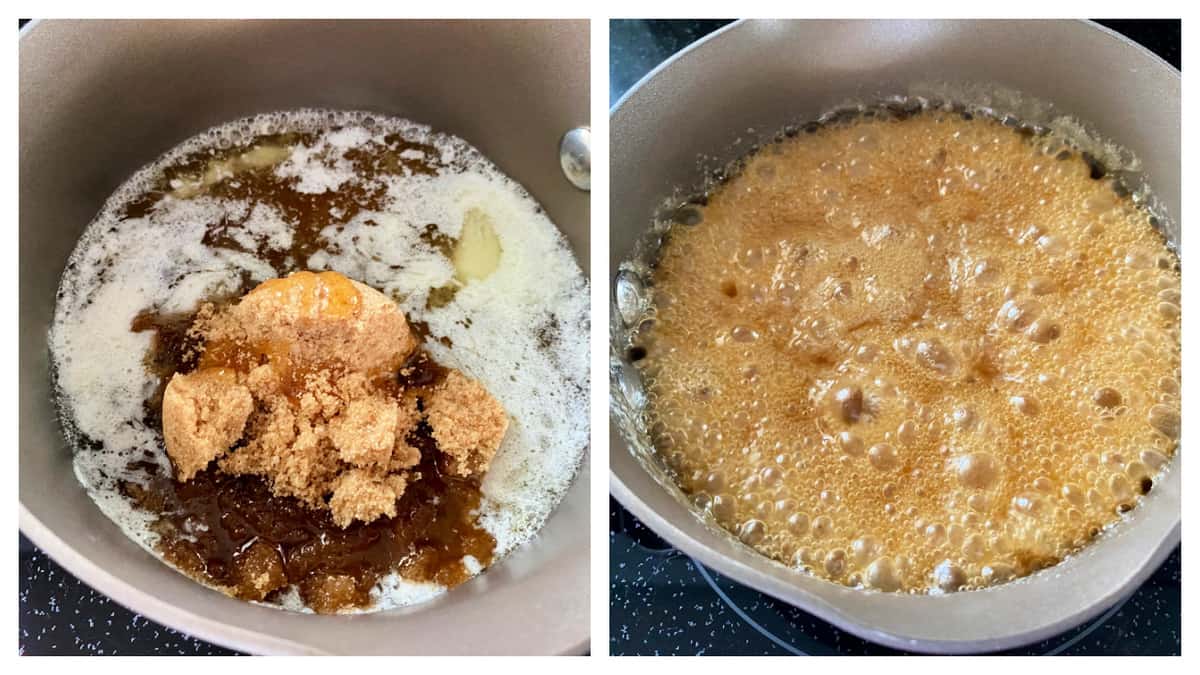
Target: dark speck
x=688 y=215
x=1097 y=169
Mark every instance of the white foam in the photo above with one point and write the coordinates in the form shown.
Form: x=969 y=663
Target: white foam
x=395 y=591
x=309 y=165
x=264 y=225
x=123 y=266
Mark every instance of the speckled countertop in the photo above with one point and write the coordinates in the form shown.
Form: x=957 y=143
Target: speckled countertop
x=663 y=602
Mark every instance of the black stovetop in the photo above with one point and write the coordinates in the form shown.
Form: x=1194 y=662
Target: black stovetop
x=663 y=602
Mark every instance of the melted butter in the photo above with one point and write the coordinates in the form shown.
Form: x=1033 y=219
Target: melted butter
x=929 y=354
x=219 y=169
x=477 y=252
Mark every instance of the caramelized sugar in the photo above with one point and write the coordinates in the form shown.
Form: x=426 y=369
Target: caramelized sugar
x=928 y=354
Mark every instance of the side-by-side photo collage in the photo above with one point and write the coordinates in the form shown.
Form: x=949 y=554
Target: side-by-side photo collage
x=312 y=315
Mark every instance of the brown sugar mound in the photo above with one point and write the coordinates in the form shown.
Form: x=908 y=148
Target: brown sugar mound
x=468 y=424
x=203 y=414
x=298 y=383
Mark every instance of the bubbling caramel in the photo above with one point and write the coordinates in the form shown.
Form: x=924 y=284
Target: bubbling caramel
x=921 y=355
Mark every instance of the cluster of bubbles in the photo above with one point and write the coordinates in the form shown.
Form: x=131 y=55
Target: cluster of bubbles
x=920 y=353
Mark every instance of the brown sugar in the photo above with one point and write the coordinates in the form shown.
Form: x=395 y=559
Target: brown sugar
x=203 y=414
x=259 y=572
x=468 y=424
x=361 y=494
x=298 y=383
x=328 y=593
x=364 y=433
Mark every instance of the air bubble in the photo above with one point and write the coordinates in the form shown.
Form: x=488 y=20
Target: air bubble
x=1025 y=404
x=883 y=457
x=1153 y=459
x=835 y=562
x=822 y=527
x=752 y=531
x=850 y=443
x=978 y=502
x=1165 y=421
x=630 y=296
x=1016 y=315
x=1107 y=397
x=935 y=534
x=744 y=334
x=1168 y=310
x=864 y=549
x=849 y=403
x=881 y=575
x=723 y=508
x=1028 y=503
x=1074 y=494
x=1120 y=487
x=769 y=476
x=948 y=577
x=964 y=418
x=1043 y=331
x=1139 y=260
x=933 y=354
x=798 y=523
x=977 y=470
x=1136 y=471
x=1051 y=245
x=987 y=271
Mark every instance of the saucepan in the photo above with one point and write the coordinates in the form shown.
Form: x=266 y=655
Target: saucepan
x=710 y=103
x=99 y=99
